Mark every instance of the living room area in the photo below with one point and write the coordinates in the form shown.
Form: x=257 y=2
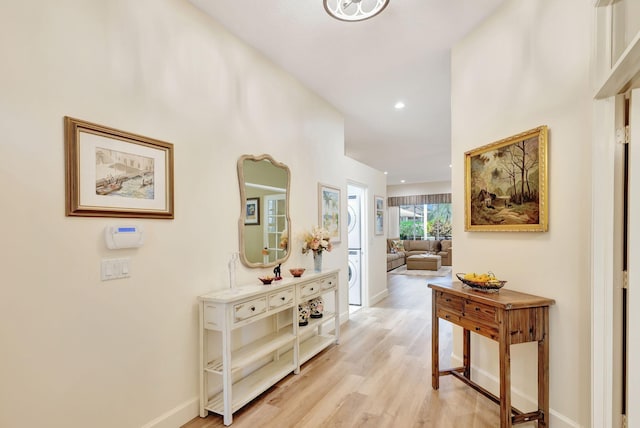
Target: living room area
x=419 y=240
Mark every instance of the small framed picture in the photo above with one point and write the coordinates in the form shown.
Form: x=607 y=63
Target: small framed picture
x=329 y=210
x=252 y=211
x=379 y=208
x=112 y=173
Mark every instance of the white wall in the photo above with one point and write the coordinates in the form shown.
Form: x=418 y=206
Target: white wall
x=431 y=188
x=528 y=66
x=78 y=351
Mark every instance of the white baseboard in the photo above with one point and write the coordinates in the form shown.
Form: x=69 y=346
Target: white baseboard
x=177 y=416
x=378 y=297
x=518 y=398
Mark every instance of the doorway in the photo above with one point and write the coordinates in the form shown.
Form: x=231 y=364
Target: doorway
x=355 y=237
x=631 y=260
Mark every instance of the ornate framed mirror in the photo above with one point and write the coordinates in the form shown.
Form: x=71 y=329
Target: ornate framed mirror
x=264 y=211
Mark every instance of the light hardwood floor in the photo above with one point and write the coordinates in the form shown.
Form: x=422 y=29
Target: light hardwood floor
x=378 y=376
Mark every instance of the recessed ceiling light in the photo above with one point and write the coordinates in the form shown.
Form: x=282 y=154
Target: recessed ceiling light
x=386 y=173
x=402 y=181
x=399 y=105
x=449 y=165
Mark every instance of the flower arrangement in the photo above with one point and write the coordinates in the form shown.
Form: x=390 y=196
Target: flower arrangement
x=284 y=240
x=317 y=241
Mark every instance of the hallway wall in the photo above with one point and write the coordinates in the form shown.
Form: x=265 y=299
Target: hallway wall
x=124 y=353
x=527 y=66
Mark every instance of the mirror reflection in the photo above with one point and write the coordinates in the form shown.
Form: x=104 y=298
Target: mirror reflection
x=264 y=220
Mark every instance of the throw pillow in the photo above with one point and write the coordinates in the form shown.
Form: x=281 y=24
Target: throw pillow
x=398 y=245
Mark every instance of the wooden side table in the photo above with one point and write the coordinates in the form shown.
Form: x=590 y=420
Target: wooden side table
x=508 y=317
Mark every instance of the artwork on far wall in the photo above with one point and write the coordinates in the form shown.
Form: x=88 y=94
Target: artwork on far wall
x=329 y=210
x=252 y=211
x=506 y=184
x=379 y=207
x=112 y=173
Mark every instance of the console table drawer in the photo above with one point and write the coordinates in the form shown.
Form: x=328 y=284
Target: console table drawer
x=328 y=283
x=482 y=329
x=453 y=303
x=281 y=298
x=310 y=289
x=482 y=313
x=453 y=317
x=463 y=320
x=249 y=309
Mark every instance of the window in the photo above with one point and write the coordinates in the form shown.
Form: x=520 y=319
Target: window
x=412 y=221
x=428 y=221
x=439 y=221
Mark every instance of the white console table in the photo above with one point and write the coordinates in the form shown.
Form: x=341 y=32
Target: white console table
x=236 y=373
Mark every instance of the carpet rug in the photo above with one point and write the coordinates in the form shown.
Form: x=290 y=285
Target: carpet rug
x=402 y=270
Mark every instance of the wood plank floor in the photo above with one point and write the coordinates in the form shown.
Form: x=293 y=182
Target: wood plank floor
x=378 y=376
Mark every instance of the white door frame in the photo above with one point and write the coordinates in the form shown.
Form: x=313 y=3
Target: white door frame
x=364 y=240
x=610 y=80
x=633 y=293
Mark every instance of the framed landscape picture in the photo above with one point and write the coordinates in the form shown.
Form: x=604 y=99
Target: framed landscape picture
x=379 y=214
x=506 y=184
x=329 y=210
x=112 y=173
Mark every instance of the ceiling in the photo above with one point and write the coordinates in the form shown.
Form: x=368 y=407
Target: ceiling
x=364 y=68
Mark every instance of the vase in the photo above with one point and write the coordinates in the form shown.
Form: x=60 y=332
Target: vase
x=317 y=261
x=303 y=314
x=316 y=307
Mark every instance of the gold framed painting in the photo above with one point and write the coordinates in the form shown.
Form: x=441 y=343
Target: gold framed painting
x=112 y=173
x=506 y=186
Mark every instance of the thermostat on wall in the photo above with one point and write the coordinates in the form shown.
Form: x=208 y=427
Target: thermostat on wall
x=123 y=237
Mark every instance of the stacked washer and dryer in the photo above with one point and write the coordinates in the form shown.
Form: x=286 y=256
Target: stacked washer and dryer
x=355 y=249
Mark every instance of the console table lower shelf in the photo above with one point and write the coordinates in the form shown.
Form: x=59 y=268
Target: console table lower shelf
x=232 y=373
x=253 y=385
x=508 y=317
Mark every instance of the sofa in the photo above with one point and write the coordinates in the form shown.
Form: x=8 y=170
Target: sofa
x=398 y=250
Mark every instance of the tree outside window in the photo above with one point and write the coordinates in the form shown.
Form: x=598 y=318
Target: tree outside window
x=435 y=219
x=439 y=221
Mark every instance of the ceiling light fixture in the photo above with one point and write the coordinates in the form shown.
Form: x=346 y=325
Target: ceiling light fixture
x=354 y=10
x=399 y=105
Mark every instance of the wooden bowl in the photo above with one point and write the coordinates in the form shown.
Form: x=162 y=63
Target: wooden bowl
x=297 y=272
x=267 y=280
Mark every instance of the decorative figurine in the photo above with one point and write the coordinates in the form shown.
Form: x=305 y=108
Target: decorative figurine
x=277 y=273
x=317 y=307
x=303 y=314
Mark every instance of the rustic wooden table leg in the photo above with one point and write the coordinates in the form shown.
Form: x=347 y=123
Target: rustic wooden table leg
x=505 y=372
x=543 y=370
x=435 y=352
x=466 y=353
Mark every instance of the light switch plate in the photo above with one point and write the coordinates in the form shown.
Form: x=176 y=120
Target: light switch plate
x=115 y=269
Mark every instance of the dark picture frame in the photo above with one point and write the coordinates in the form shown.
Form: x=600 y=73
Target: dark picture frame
x=113 y=173
x=252 y=211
